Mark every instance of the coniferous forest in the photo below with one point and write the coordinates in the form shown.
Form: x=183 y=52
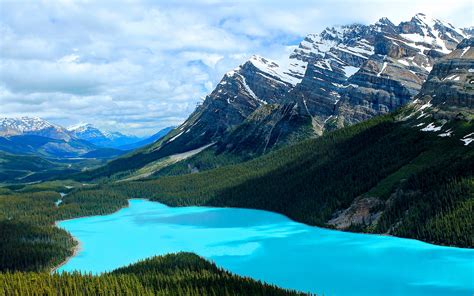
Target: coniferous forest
x=30 y=241
x=173 y=274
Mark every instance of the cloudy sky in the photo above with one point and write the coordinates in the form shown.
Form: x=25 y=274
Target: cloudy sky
x=138 y=66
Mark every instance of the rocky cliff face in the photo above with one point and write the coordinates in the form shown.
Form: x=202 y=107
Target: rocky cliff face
x=271 y=125
x=389 y=64
x=449 y=89
x=241 y=92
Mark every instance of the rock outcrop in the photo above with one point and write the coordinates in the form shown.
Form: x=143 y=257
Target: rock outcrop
x=449 y=88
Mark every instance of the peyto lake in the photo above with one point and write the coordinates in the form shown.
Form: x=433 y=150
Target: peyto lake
x=270 y=247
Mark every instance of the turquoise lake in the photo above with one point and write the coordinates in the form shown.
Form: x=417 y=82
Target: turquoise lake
x=272 y=248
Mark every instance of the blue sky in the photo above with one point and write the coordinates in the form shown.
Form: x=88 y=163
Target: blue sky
x=138 y=66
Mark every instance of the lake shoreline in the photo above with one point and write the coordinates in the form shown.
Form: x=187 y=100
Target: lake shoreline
x=311 y=225
x=250 y=243
x=77 y=247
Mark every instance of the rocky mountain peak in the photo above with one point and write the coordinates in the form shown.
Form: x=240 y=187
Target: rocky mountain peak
x=384 y=21
x=427 y=33
x=86 y=131
x=80 y=127
x=289 y=74
x=385 y=25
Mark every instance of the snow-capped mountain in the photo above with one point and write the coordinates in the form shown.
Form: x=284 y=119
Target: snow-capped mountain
x=341 y=76
x=32 y=126
x=338 y=77
x=88 y=132
x=355 y=72
x=39 y=127
x=85 y=130
x=33 y=135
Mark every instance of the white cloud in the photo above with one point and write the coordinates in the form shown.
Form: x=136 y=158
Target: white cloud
x=138 y=66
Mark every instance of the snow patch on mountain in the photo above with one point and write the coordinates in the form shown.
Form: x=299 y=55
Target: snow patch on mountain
x=349 y=70
x=287 y=74
x=467 y=139
x=432 y=128
x=430 y=34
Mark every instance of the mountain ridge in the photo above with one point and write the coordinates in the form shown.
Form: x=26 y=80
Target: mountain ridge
x=342 y=76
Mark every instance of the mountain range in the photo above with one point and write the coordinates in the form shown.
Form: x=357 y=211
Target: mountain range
x=32 y=148
x=341 y=76
x=33 y=134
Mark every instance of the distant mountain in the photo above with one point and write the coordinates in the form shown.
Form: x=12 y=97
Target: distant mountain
x=44 y=146
x=36 y=136
x=99 y=138
x=342 y=76
x=153 y=138
x=33 y=149
x=32 y=126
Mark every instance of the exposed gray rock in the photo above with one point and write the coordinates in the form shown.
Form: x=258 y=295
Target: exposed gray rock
x=269 y=126
x=449 y=89
x=364 y=211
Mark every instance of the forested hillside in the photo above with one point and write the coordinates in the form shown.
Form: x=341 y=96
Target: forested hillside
x=30 y=241
x=174 y=274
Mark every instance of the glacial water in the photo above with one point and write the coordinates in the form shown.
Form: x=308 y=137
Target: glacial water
x=272 y=248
